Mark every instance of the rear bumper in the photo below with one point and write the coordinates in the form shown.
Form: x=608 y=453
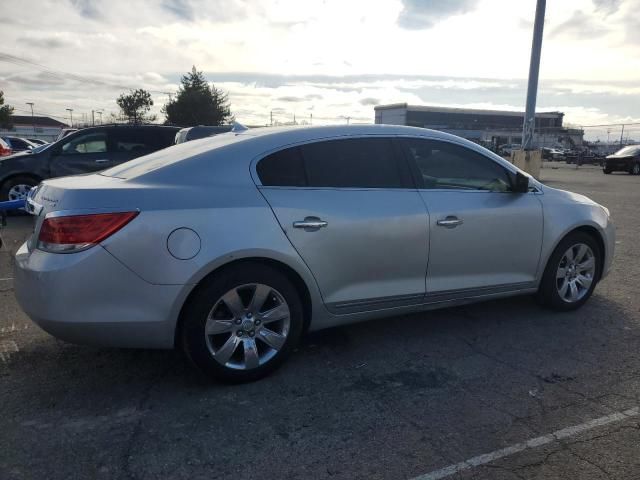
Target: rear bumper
x=91 y=298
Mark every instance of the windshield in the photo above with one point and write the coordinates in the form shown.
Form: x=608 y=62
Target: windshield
x=630 y=150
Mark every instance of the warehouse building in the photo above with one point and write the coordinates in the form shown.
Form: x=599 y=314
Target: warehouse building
x=487 y=127
x=27 y=126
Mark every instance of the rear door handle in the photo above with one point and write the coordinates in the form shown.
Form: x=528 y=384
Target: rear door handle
x=310 y=223
x=102 y=160
x=450 y=221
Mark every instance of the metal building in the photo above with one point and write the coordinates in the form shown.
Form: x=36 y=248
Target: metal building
x=488 y=127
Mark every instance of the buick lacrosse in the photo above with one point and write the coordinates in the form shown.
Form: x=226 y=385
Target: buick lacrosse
x=231 y=247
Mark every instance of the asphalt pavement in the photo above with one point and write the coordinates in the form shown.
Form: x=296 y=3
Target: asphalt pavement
x=498 y=390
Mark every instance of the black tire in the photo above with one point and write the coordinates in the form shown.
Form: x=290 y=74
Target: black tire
x=606 y=171
x=635 y=169
x=13 y=181
x=194 y=318
x=548 y=294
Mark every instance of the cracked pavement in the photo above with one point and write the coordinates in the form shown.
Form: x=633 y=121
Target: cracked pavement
x=389 y=399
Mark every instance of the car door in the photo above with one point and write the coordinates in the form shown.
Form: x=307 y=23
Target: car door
x=483 y=235
x=349 y=208
x=82 y=152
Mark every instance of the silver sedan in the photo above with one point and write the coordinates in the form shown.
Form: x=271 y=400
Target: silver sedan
x=232 y=247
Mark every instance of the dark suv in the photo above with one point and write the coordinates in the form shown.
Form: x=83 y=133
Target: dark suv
x=87 y=150
x=626 y=159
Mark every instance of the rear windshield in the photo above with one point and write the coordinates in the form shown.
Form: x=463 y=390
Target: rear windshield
x=630 y=150
x=171 y=155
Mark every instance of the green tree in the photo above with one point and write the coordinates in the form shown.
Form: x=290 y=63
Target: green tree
x=197 y=103
x=135 y=105
x=5 y=113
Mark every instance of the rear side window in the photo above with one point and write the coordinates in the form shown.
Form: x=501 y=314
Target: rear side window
x=283 y=169
x=443 y=165
x=141 y=139
x=352 y=163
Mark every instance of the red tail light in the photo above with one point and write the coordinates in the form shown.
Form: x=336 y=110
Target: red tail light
x=78 y=232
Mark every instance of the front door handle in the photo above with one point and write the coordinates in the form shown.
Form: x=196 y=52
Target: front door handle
x=450 y=221
x=102 y=160
x=310 y=223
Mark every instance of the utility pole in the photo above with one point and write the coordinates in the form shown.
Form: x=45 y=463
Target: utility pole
x=311 y=119
x=534 y=70
x=93 y=119
x=294 y=118
x=70 y=110
x=99 y=112
x=621 y=134
x=33 y=121
x=271 y=118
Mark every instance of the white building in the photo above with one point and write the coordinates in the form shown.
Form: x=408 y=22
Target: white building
x=26 y=126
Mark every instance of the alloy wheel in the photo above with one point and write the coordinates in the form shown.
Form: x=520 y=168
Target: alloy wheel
x=19 y=192
x=575 y=273
x=247 y=326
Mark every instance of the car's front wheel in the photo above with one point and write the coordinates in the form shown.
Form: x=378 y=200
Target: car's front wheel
x=242 y=324
x=571 y=273
x=635 y=169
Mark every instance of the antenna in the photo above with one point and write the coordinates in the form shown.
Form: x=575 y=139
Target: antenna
x=238 y=128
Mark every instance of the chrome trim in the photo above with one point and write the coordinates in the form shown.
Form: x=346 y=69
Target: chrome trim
x=310 y=222
x=88 y=211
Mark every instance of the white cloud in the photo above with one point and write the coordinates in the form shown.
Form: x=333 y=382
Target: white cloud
x=332 y=58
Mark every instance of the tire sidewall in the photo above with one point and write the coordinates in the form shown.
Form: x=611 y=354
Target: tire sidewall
x=194 y=318
x=547 y=293
x=8 y=184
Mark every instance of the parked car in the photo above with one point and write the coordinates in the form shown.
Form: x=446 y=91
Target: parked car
x=506 y=149
x=626 y=159
x=202 y=131
x=87 y=150
x=231 y=248
x=18 y=144
x=583 y=157
x=37 y=141
x=5 y=148
x=551 y=153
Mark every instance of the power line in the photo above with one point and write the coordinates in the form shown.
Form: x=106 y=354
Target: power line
x=62 y=75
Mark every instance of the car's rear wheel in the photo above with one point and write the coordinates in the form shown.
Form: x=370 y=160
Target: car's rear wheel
x=635 y=169
x=606 y=171
x=17 y=188
x=571 y=273
x=242 y=324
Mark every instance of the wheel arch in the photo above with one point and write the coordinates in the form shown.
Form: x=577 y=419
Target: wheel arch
x=593 y=232
x=36 y=177
x=296 y=279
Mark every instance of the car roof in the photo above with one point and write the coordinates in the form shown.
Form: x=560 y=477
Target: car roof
x=251 y=144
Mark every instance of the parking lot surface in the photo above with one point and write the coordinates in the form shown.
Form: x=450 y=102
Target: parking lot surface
x=499 y=390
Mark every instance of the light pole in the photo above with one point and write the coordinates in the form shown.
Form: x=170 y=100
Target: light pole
x=70 y=110
x=99 y=112
x=33 y=121
x=534 y=70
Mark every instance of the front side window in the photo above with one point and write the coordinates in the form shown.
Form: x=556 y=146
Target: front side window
x=352 y=163
x=443 y=165
x=89 y=143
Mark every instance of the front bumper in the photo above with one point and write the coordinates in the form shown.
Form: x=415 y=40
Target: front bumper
x=91 y=298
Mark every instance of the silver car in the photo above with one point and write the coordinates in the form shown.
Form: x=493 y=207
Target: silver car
x=231 y=247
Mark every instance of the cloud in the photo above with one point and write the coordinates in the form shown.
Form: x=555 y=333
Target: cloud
x=47 y=42
x=424 y=14
x=369 y=101
x=580 y=25
x=607 y=7
x=180 y=8
x=87 y=8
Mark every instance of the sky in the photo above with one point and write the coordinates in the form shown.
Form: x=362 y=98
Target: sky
x=324 y=60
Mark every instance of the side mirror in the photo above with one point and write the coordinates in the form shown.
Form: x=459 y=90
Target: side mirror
x=521 y=183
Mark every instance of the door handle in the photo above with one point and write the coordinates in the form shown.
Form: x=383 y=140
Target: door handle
x=450 y=222
x=102 y=160
x=310 y=223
